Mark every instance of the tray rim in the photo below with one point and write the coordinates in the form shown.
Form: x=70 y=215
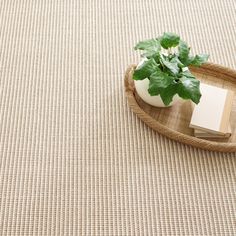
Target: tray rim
x=209 y=68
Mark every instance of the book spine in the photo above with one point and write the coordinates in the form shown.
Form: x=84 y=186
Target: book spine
x=226 y=112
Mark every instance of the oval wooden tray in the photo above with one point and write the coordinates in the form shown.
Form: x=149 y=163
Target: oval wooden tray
x=173 y=122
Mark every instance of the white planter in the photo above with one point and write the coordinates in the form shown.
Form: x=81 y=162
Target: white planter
x=141 y=87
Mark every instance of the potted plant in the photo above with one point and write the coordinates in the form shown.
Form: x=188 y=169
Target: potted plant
x=163 y=77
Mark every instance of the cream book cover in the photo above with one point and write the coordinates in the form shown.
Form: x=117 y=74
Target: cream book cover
x=213 y=111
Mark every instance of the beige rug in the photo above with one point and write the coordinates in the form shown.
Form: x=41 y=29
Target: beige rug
x=74 y=160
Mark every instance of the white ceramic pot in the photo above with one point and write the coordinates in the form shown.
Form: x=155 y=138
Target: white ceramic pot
x=141 y=87
x=142 y=90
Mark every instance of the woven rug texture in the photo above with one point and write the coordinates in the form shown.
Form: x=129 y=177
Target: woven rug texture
x=74 y=159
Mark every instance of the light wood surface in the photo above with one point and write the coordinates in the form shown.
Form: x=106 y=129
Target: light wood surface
x=173 y=122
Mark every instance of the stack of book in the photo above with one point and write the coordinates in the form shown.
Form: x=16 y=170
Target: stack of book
x=210 y=118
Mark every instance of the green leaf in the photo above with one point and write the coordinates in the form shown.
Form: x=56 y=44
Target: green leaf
x=156 y=57
x=169 y=40
x=149 y=54
x=199 y=59
x=150 y=46
x=145 y=70
x=175 y=59
x=168 y=93
x=188 y=60
x=183 y=51
x=159 y=81
x=147 y=44
x=187 y=74
x=172 y=66
x=188 y=88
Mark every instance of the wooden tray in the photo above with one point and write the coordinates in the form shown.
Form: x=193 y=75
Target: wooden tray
x=173 y=122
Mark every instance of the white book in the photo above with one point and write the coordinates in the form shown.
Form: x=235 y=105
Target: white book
x=213 y=111
x=203 y=134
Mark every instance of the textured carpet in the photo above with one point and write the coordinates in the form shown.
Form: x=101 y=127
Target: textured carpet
x=74 y=160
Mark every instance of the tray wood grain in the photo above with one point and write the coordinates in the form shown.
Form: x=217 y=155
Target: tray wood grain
x=173 y=122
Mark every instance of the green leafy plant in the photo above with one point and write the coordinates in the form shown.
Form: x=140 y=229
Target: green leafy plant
x=166 y=61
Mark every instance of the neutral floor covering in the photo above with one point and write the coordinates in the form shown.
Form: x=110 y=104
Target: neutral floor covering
x=74 y=160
